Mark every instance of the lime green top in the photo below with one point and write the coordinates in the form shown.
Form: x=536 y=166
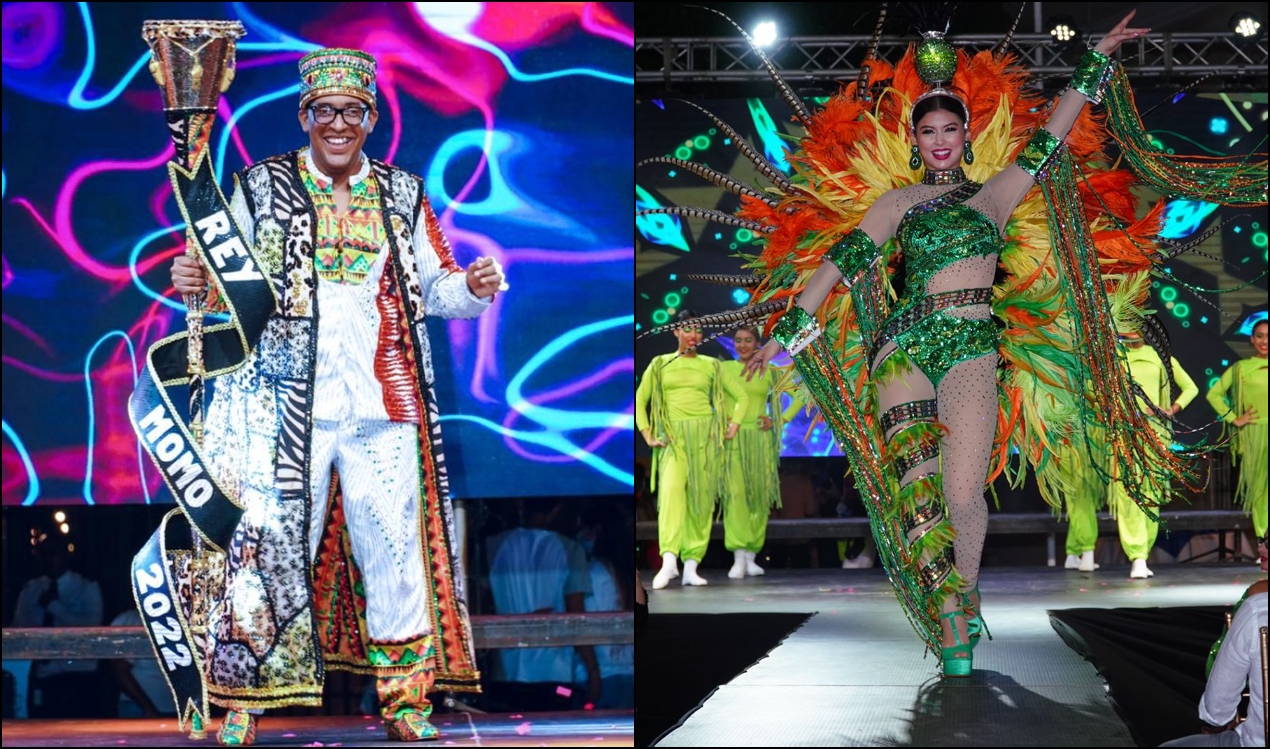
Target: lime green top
x=1148 y=371
x=759 y=391
x=687 y=385
x=1241 y=387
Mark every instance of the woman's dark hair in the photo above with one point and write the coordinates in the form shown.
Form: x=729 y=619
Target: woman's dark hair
x=685 y=314
x=1262 y=321
x=938 y=104
x=749 y=329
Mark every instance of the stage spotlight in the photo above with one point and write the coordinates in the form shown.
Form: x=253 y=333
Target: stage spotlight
x=1064 y=30
x=765 y=34
x=1245 y=24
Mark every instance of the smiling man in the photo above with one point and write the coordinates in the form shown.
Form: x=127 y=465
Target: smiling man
x=329 y=432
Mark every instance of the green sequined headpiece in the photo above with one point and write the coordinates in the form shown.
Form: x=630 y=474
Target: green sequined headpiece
x=936 y=62
x=337 y=71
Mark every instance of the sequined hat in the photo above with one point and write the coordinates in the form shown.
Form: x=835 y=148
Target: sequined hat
x=936 y=62
x=337 y=71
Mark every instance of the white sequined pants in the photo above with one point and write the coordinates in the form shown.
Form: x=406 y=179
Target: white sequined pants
x=378 y=464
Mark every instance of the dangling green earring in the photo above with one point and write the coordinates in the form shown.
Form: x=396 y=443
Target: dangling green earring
x=968 y=154
x=915 y=162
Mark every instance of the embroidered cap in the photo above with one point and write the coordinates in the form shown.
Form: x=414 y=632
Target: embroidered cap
x=337 y=71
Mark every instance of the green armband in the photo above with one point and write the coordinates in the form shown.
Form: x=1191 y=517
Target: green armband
x=852 y=253
x=1092 y=74
x=1038 y=152
x=795 y=330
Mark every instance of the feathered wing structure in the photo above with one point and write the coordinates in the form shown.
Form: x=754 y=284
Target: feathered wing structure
x=1064 y=294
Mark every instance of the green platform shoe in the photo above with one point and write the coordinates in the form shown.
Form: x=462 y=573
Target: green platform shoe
x=975 y=626
x=954 y=666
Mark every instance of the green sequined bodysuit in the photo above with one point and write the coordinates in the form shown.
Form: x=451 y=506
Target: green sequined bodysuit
x=936 y=234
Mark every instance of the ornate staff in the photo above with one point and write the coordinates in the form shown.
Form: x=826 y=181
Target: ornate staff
x=193 y=62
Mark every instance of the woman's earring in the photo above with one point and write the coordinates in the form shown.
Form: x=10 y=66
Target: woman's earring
x=915 y=162
x=968 y=154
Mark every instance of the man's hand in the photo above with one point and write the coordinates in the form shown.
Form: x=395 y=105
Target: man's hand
x=188 y=275
x=484 y=277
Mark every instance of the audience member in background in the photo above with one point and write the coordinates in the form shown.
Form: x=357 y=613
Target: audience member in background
x=601 y=535
x=535 y=570
x=1238 y=664
x=798 y=501
x=61 y=598
x=143 y=691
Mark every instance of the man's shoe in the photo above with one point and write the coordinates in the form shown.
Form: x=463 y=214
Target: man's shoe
x=410 y=725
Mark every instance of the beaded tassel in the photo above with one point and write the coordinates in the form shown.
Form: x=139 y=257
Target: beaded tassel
x=1227 y=181
x=1135 y=451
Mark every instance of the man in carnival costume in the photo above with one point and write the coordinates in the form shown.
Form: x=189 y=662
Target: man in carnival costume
x=327 y=436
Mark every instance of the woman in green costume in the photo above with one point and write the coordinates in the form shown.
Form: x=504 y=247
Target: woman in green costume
x=680 y=411
x=1239 y=398
x=751 y=483
x=934 y=358
x=907 y=374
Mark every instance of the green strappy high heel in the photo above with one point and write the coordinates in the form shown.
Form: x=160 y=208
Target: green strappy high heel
x=954 y=666
x=975 y=625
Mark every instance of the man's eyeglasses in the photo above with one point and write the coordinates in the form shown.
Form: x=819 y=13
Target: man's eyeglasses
x=324 y=114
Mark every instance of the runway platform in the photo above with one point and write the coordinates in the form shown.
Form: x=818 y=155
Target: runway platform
x=599 y=728
x=855 y=673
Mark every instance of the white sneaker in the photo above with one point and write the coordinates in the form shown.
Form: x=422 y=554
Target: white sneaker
x=669 y=571
x=752 y=569
x=738 y=567
x=662 y=578
x=1072 y=563
x=1139 y=571
x=1087 y=562
x=690 y=574
x=861 y=562
x=668 y=559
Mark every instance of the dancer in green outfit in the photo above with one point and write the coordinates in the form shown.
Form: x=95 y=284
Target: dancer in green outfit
x=1082 y=502
x=681 y=413
x=751 y=484
x=1239 y=397
x=1146 y=367
x=1144 y=361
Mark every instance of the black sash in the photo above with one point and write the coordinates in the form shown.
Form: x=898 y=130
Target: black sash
x=205 y=507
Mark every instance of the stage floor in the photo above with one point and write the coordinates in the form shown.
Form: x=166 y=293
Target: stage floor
x=854 y=674
x=600 y=728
